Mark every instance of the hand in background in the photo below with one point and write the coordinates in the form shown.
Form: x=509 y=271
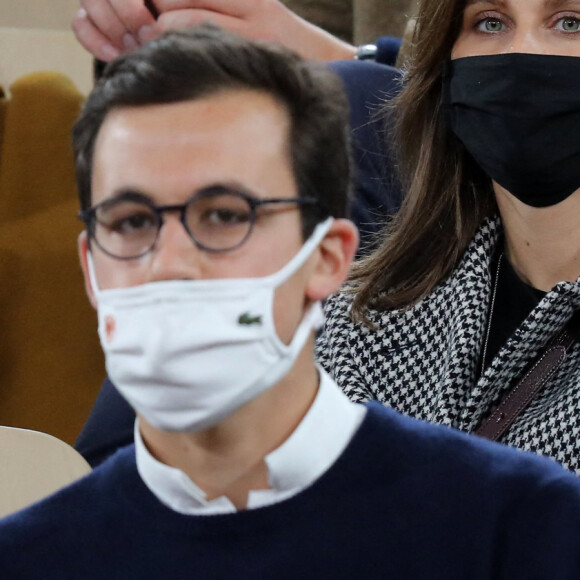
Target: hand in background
x=107 y=28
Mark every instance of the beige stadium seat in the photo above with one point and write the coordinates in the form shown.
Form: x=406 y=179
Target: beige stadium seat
x=33 y=466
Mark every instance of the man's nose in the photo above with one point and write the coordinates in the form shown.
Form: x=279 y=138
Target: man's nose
x=175 y=256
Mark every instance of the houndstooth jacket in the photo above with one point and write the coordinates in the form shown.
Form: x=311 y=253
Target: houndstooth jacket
x=425 y=361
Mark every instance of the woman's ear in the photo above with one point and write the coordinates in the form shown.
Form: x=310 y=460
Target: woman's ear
x=83 y=246
x=334 y=258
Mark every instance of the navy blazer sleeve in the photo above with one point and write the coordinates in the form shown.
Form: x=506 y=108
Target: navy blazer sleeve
x=377 y=195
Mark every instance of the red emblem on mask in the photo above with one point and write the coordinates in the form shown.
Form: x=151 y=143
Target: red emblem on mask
x=109 y=327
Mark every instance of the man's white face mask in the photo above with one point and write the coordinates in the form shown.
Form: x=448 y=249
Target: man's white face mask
x=186 y=354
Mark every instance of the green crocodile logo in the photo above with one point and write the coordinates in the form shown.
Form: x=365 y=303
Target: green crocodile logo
x=247 y=319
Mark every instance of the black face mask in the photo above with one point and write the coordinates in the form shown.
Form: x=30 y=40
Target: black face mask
x=519 y=117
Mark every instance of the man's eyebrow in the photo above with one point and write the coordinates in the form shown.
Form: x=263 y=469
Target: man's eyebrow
x=129 y=194
x=135 y=194
x=231 y=186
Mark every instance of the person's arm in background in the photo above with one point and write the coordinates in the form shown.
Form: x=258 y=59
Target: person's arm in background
x=108 y=27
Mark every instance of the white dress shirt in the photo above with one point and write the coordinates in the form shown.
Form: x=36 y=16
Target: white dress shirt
x=311 y=449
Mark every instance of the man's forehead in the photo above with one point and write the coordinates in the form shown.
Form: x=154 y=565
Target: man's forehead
x=193 y=144
x=233 y=111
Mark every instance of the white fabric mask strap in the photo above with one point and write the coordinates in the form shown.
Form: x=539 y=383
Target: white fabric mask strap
x=93 y=275
x=304 y=253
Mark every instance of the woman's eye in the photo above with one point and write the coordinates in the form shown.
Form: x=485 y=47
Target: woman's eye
x=568 y=24
x=492 y=25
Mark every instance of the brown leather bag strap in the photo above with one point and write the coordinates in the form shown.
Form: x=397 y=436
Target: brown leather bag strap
x=518 y=399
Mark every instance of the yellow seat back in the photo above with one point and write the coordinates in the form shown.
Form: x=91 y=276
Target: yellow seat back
x=51 y=364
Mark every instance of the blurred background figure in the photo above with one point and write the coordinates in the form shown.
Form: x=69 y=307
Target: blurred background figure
x=356 y=21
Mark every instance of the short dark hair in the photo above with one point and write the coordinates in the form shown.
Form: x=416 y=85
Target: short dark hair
x=205 y=60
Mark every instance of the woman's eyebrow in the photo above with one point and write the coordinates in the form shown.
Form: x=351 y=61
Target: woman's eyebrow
x=562 y=3
x=553 y=4
x=494 y=2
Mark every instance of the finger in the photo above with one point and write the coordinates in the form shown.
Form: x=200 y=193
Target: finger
x=105 y=20
x=133 y=14
x=234 y=8
x=92 y=39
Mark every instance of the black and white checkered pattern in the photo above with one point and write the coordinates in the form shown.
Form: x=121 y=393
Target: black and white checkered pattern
x=425 y=361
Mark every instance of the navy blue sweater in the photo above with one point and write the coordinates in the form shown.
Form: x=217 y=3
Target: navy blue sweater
x=405 y=500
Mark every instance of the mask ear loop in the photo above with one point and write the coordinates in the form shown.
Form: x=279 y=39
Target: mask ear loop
x=313 y=318
x=302 y=255
x=93 y=275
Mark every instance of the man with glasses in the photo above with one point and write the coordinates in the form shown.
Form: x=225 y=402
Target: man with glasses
x=213 y=176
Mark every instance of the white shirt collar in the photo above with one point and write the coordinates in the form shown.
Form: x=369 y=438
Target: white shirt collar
x=311 y=449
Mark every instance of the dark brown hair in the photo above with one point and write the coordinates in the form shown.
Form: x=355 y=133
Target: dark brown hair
x=447 y=194
x=181 y=66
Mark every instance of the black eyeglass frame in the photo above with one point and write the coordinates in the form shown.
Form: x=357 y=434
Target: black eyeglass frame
x=89 y=216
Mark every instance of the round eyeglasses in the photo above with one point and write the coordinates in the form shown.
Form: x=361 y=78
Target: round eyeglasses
x=217 y=219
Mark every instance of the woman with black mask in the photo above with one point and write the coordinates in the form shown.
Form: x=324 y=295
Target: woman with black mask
x=478 y=274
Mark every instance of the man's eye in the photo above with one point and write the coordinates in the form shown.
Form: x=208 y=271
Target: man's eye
x=568 y=24
x=133 y=223
x=226 y=217
x=491 y=25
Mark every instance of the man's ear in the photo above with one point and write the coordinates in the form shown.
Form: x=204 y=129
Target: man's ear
x=334 y=258
x=83 y=245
